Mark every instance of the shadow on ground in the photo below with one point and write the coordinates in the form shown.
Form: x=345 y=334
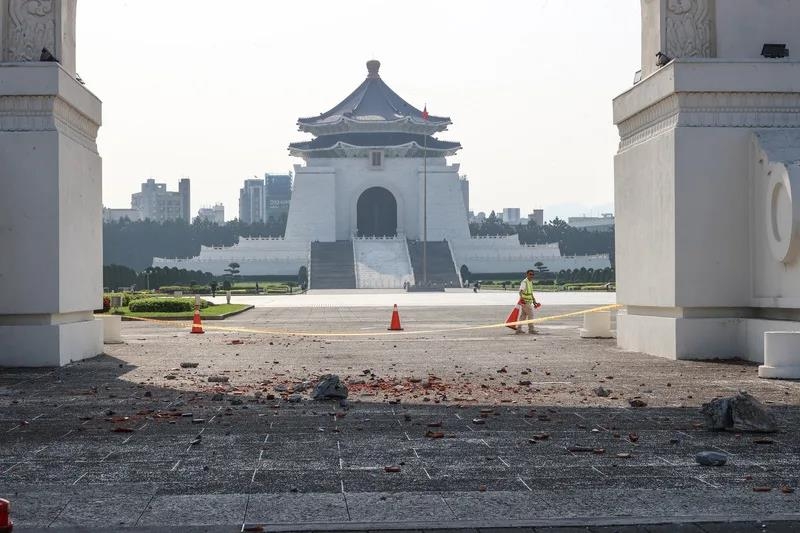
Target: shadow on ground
x=81 y=446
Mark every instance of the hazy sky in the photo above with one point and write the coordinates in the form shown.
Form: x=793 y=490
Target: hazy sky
x=211 y=90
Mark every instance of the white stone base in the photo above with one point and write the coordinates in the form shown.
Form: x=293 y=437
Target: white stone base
x=697 y=338
x=112 y=328
x=597 y=326
x=50 y=345
x=679 y=338
x=51 y=273
x=781 y=355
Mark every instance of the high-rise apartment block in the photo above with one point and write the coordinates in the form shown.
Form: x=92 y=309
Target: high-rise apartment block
x=277 y=196
x=251 y=201
x=265 y=200
x=156 y=203
x=537 y=216
x=215 y=214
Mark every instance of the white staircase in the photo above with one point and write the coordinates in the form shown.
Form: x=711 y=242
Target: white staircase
x=382 y=263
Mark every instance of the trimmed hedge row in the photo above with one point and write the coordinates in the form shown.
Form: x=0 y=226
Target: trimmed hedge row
x=165 y=305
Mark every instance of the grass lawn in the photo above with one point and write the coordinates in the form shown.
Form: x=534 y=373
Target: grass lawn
x=214 y=310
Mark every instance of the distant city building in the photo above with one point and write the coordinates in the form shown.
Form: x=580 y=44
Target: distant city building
x=511 y=215
x=601 y=223
x=537 y=216
x=476 y=219
x=277 y=196
x=156 y=203
x=113 y=215
x=251 y=201
x=265 y=200
x=214 y=214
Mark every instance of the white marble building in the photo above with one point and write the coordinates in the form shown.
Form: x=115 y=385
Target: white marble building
x=365 y=173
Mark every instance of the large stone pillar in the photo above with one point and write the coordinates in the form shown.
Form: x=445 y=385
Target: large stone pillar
x=697 y=194
x=50 y=191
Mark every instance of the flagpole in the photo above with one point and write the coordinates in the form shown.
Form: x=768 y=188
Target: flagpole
x=425 y=208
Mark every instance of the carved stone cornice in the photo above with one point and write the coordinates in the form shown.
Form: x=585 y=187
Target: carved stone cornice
x=47 y=113
x=649 y=123
x=711 y=110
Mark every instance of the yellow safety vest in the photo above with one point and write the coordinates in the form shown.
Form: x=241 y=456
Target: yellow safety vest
x=527 y=292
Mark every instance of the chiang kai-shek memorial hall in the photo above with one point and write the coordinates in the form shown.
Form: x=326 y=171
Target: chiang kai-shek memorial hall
x=375 y=184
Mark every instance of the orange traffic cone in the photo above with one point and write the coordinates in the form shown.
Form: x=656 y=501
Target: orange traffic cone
x=395 y=325
x=6 y=525
x=514 y=316
x=197 y=325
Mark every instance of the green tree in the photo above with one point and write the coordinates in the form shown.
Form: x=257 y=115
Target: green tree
x=233 y=270
x=465 y=273
x=134 y=244
x=302 y=277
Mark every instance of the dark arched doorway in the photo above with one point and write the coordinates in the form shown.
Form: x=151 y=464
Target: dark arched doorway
x=376 y=213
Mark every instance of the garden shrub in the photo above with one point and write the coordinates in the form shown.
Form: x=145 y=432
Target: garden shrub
x=164 y=305
x=186 y=289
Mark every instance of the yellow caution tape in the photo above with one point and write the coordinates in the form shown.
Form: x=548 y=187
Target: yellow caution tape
x=387 y=333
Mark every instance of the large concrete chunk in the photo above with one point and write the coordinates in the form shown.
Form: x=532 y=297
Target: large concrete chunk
x=329 y=387
x=739 y=413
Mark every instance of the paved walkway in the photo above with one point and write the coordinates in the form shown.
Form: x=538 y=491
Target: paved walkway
x=387 y=298
x=479 y=429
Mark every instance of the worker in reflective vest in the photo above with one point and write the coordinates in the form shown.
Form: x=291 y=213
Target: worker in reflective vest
x=528 y=302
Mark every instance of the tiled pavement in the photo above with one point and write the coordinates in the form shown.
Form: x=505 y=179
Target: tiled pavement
x=85 y=447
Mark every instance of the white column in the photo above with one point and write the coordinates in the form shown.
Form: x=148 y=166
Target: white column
x=51 y=205
x=705 y=178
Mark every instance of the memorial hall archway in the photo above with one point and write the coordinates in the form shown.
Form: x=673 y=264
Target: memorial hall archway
x=376 y=213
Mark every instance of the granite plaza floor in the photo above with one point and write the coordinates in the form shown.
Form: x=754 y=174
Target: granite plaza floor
x=479 y=429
